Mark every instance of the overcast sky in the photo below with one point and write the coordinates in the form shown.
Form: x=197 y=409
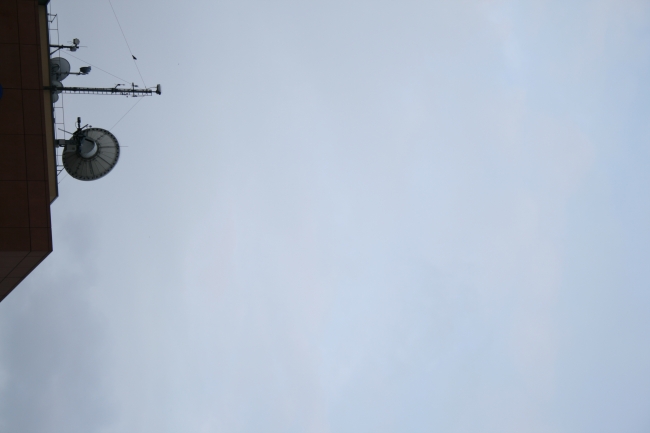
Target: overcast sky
x=413 y=216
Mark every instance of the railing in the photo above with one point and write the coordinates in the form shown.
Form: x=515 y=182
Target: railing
x=58 y=111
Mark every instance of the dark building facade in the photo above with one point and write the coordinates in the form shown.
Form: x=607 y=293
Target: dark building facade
x=27 y=156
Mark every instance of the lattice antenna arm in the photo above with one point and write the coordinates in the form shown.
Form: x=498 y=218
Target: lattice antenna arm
x=133 y=91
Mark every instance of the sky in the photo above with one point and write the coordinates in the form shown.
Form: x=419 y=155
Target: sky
x=414 y=216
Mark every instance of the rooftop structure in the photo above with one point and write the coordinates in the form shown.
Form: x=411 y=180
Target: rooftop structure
x=28 y=182
x=30 y=88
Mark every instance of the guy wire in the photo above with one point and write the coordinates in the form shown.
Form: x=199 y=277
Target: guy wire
x=127 y=42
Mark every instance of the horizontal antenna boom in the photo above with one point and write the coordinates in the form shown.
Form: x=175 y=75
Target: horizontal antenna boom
x=105 y=90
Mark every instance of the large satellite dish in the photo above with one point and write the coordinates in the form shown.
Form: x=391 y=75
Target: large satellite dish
x=90 y=154
x=59 y=68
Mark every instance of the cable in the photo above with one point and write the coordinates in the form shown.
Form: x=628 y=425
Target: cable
x=127 y=43
x=62 y=179
x=122 y=79
x=128 y=111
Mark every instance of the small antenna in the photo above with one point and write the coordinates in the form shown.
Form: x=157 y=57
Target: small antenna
x=84 y=70
x=74 y=47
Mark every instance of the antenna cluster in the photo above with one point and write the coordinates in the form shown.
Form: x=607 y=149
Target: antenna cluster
x=90 y=153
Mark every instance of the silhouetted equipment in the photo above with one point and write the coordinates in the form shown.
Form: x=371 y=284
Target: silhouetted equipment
x=90 y=153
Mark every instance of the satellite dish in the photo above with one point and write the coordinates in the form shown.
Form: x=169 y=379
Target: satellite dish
x=90 y=154
x=59 y=68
